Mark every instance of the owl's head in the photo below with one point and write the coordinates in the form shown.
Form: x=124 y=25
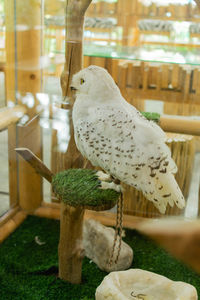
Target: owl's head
x=94 y=81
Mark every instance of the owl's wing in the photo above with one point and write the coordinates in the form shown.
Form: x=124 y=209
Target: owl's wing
x=149 y=129
x=138 y=155
x=122 y=132
x=132 y=149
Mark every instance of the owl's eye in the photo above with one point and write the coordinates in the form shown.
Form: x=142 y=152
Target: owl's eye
x=82 y=81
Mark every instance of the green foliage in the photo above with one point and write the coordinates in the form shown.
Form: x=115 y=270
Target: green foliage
x=81 y=187
x=151 y=116
x=28 y=271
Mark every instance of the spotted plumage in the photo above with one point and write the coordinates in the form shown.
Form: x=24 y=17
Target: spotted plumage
x=113 y=135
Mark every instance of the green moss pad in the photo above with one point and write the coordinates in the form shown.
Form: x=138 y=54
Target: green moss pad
x=28 y=271
x=82 y=187
x=151 y=116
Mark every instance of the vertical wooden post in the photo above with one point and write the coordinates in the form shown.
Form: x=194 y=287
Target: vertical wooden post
x=70 y=248
x=23 y=75
x=75 y=12
x=71 y=223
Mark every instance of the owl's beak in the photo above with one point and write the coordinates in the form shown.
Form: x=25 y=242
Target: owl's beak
x=73 y=88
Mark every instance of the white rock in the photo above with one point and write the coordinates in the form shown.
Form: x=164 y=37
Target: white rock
x=98 y=243
x=138 y=284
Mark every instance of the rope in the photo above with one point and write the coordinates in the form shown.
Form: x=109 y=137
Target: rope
x=120 y=227
x=118 y=232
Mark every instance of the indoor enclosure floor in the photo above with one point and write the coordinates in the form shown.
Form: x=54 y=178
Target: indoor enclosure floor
x=28 y=270
x=52 y=87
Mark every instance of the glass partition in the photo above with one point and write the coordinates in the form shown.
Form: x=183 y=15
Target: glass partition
x=155 y=74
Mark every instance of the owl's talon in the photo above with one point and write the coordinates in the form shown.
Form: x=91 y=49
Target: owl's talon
x=111 y=185
x=103 y=176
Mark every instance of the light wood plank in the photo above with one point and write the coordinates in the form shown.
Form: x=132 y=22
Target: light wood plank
x=35 y=162
x=10 y=116
x=7 y=228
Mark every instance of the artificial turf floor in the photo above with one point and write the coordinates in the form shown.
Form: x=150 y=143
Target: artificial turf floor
x=29 y=270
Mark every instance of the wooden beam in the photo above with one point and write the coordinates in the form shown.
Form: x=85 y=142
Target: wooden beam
x=10 y=115
x=48 y=210
x=29 y=182
x=7 y=228
x=36 y=163
x=52 y=210
x=8 y=215
x=180 y=125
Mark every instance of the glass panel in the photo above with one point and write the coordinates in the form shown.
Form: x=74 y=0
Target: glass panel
x=151 y=53
x=4 y=182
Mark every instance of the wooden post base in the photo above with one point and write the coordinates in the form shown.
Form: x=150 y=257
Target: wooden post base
x=70 y=249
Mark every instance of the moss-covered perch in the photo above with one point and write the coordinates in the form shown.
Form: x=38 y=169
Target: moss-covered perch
x=77 y=189
x=81 y=187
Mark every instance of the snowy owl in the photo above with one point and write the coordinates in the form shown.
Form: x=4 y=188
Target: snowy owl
x=113 y=135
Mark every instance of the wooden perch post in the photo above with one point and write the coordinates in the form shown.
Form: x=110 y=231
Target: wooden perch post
x=70 y=250
x=71 y=223
x=75 y=12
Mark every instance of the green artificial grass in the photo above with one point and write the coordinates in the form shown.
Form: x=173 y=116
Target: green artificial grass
x=81 y=187
x=28 y=271
x=151 y=116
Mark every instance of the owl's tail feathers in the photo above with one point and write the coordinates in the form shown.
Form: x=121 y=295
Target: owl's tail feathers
x=166 y=192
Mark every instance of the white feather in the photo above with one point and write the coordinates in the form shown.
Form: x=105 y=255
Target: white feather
x=113 y=135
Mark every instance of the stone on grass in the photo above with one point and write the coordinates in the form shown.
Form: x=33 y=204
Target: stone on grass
x=140 y=284
x=98 y=243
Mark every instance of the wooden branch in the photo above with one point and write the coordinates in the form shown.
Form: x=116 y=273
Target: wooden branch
x=11 y=115
x=75 y=12
x=180 y=125
x=36 y=163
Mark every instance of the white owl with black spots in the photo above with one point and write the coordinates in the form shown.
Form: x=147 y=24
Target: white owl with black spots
x=113 y=135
